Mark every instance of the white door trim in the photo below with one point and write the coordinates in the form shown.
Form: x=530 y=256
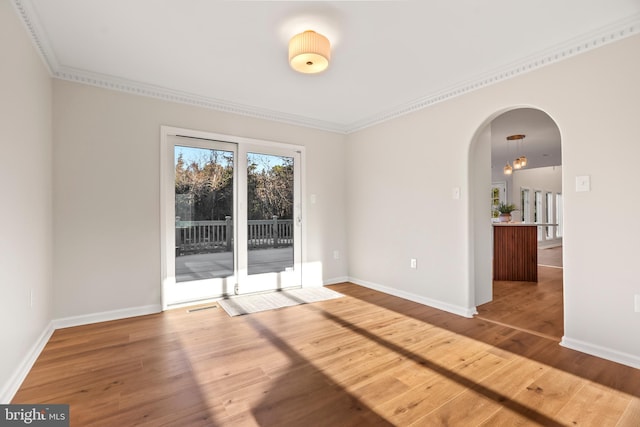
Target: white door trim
x=167 y=222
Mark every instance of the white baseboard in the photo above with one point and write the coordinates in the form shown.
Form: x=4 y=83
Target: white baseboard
x=602 y=352
x=548 y=244
x=105 y=316
x=11 y=387
x=335 y=281
x=451 y=308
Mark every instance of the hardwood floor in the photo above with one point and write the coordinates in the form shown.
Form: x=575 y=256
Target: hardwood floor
x=535 y=307
x=550 y=256
x=363 y=360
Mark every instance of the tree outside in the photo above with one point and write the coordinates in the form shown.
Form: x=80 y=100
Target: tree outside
x=204 y=185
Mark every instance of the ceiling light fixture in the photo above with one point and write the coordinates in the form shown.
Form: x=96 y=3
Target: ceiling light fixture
x=309 y=52
x=508 y=170
x=519 y=162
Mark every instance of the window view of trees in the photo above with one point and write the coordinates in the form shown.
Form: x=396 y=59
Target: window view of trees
x=205 y=209
x=498 y=195
x=204 y=185
x=270 y=182
x=495 y=201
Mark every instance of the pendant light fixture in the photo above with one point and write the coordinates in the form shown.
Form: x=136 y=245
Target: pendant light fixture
x=309 y=52
x=523 y=161
x=508 y=170
x=519 y=162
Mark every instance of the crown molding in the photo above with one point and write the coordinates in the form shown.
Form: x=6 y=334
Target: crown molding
x=603 y=36
x=26 y=12
x=595 y=39
x=165 y=94
x=27 y=15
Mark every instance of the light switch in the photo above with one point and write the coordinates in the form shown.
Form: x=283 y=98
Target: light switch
x=313 y=199
x=583 y=183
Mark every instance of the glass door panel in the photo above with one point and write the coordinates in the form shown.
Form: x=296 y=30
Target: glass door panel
x=202 y=198
x=204 y=213
x=272 y=221
x=231 y=219
x=270 y=213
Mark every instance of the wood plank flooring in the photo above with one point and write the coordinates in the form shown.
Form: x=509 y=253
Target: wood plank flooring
x=535 y=307
x=550 y=256
x=367 y=359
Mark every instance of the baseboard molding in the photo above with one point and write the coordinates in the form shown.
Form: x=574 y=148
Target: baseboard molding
x=553 y=244
x=335 y=281
x=105 y=316
x=602 y=352
x=11 y=387
x=440 y=305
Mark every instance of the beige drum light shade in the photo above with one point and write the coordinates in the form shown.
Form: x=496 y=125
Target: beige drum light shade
x=309 y=52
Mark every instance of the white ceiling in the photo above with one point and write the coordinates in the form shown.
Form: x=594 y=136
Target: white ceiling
x=388 y=57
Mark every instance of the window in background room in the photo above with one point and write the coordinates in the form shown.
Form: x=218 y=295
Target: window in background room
x=549 y=214
x=498 y=195
x=538 y=211
x=525 y=203
x=559 y=215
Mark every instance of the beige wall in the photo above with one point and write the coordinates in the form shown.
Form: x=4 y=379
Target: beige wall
x=544 y=179
x=401 y=174
x=547 y=179
x=384 y=195
x=107 y=194
x=481 y=231
x=26 y=214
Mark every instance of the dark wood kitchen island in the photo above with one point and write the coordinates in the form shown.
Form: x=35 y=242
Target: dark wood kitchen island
x=515 y=251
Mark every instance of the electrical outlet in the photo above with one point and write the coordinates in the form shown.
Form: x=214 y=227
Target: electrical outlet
x=455 y=193
x=336 y=254
x=414 y=263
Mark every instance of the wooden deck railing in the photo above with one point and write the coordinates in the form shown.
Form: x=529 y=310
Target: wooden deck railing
x=217 y=236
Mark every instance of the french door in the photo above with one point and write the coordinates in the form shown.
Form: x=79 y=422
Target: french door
x=231 y=217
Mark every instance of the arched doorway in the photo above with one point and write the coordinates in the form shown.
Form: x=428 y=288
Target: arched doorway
x=536 y=190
